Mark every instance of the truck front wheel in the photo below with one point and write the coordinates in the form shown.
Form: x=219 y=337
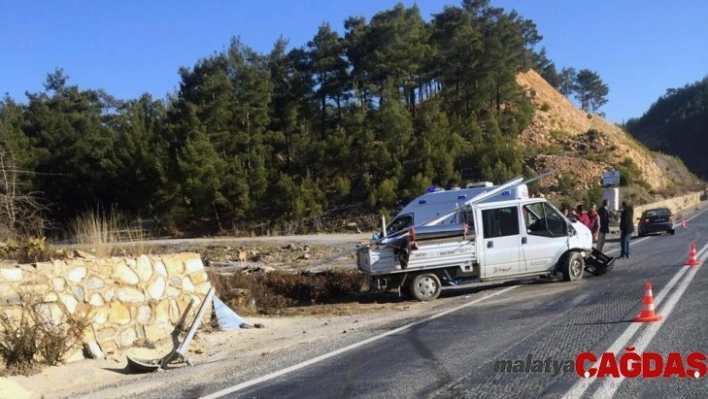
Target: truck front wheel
x=573 y=267
x=425 y=287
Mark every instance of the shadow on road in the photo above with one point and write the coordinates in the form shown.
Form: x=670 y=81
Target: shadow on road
x=676 y=265
x=393 y=296
x=455 y=291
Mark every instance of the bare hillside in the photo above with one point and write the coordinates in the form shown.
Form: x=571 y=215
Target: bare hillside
x=582 y=146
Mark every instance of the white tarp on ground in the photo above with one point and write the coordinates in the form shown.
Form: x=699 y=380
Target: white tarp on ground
x=228 y=319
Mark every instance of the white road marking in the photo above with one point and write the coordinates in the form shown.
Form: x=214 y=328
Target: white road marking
x=576 y=301
x=325 y=356
x=609 y=386
x=580 y=387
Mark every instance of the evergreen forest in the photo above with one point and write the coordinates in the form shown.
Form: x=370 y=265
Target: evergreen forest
x=359 y=121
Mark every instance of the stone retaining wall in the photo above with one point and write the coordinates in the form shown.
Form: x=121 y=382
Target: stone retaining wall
x=126 y=299
x=679 y=206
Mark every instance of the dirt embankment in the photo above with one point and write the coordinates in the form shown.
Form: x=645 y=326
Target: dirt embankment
x=585 y=145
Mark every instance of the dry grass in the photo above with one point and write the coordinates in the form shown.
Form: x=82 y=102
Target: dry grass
x=279 y=293
x=94 y=229
x=105 y=235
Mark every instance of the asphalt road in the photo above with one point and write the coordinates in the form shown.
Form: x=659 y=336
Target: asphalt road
x=454 y=355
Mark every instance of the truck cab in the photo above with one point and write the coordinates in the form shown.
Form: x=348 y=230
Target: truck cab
x=526 y=237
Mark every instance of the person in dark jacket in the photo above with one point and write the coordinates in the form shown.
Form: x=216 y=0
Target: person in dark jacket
x=604 y=221
x=626 y=228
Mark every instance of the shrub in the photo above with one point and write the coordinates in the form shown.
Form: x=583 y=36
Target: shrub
x=26 y=250
x=566 y=183
x=19 y=344
x=594 y=195
x=631 y=174
x=56 y=340
x=559 y=134
x=35 y=339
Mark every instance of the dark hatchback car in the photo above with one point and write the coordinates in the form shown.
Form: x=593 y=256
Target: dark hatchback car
x=657 y=220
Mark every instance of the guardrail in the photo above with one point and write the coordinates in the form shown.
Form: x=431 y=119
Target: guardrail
x=677 y=204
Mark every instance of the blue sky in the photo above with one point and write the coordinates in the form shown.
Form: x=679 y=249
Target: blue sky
x=129 y=47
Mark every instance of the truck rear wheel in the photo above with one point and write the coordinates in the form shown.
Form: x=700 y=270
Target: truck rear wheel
x=574 y=267
x=425 y=287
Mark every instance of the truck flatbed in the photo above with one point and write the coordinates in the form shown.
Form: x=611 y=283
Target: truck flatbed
x=433 y=254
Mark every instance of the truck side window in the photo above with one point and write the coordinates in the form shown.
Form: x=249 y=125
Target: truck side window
x=467 y=216
x=501 y=222
x=399 y=224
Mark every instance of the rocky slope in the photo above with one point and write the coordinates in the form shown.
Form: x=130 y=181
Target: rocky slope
x=582 y=146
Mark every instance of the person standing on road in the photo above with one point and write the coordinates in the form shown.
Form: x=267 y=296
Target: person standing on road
x=603 y=218
x=626 y=227
x=583 y=216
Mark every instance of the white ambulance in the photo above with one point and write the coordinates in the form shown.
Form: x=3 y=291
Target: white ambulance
x=438 y=202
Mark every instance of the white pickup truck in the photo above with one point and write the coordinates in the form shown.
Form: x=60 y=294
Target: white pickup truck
x=483 y=241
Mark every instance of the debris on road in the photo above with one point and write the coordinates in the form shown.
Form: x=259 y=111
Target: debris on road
x=179 y=349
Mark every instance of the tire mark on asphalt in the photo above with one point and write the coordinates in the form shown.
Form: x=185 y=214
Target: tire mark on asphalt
x=442 y=374
x=353 y=367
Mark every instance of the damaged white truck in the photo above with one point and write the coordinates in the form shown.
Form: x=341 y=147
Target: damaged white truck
x=498 y=235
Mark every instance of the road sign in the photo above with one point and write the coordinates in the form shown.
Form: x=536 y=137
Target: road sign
x=611 y=178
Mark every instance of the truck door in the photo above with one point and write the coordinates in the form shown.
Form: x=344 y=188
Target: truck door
x=501 y=249
x=545 y=236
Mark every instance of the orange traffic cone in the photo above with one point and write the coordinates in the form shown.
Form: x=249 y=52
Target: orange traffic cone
x=692 y=261
x=647 y=314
